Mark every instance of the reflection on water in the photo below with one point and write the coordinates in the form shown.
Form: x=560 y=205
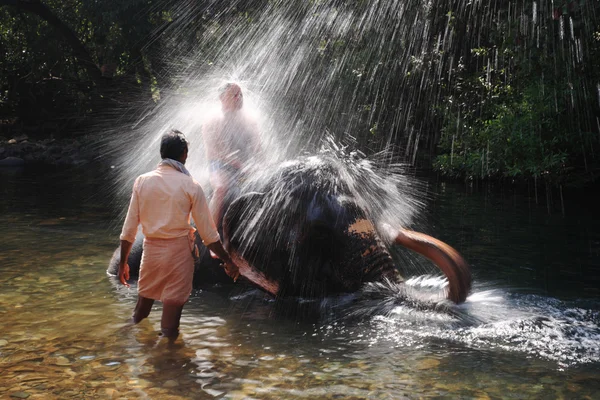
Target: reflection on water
x=510 y=239
x=63 y=330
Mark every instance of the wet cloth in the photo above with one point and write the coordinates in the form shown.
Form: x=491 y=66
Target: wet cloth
x=167 y=270
x=175 y=164
x=220 y=166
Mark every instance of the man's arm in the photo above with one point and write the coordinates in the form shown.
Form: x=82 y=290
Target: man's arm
x=230 y=267
x=210 y=139
x=130 y=227
x=123 y=266
x=256 y=144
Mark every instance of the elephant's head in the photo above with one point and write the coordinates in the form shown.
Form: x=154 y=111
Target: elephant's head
x=304 y=234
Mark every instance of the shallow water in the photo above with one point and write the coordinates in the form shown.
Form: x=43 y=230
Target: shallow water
x=530 y=329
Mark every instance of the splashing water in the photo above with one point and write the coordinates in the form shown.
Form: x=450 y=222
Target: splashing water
x=416 y=313
x=285 y=70
x=305 y=70
x=373 y=70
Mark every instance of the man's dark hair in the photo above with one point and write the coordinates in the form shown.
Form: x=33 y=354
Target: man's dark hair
x=173 y=145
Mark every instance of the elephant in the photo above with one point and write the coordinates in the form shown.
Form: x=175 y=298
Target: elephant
x=302 y=232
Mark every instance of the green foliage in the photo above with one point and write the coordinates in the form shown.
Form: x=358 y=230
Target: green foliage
x=526 y=112
x=498 y=90
x=38 y=76
x=45 y=81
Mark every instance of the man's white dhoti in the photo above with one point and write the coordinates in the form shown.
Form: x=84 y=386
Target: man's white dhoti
x=167 y=270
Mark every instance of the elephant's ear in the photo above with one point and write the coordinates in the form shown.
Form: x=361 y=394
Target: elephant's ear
x=240 y=213
x=239 y=223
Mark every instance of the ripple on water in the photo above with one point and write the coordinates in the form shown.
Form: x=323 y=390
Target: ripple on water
x=496 y=319
x=64 y=335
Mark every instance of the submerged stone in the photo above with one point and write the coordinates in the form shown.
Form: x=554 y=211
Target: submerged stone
x=12 y=162
x=20 y=395
x=428 y=363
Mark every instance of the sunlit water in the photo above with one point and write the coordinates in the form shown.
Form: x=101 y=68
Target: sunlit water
x=530 y=329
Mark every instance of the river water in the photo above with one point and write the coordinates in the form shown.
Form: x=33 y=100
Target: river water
x=530 y=329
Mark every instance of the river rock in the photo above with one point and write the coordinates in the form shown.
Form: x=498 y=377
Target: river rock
x=111 y=393
x=428 y=363
x=20 y=395
x=61 y=361
x=12 y=162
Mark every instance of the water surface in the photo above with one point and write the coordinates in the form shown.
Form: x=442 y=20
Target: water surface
x=530 y=329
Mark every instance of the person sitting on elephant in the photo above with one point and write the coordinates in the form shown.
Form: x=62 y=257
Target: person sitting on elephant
x=231 y=140
x=161 y=202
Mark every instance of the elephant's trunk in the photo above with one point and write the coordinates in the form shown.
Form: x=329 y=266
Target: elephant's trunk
x=444 y=256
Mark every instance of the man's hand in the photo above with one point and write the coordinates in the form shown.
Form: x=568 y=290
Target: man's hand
x=230 y=267
x=123 y=266
x=232 y=270
x=124 y=273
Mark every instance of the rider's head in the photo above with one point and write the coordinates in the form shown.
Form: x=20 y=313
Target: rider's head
x=231 y=96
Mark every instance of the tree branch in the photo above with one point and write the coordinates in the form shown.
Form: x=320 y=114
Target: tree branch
x=79 y=51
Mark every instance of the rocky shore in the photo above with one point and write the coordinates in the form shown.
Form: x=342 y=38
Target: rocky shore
x=22 y=150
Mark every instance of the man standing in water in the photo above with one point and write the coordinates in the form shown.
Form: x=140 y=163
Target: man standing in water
x=161 y=202
x=231 y=140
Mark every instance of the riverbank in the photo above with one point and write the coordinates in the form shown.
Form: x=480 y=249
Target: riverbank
x=23 y=150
